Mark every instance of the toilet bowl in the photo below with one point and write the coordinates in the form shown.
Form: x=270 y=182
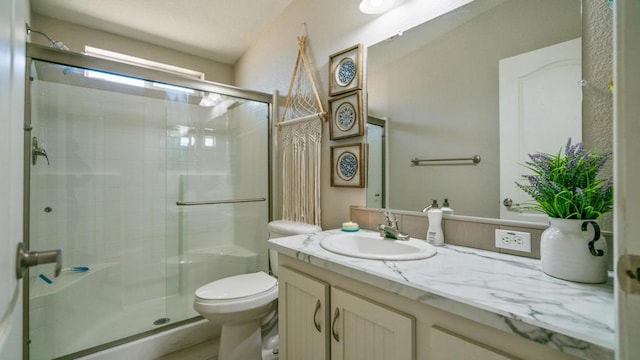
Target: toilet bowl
x=241 y=303
x=238 y=303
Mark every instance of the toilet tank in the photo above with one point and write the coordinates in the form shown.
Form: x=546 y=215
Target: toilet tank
x=282 y=228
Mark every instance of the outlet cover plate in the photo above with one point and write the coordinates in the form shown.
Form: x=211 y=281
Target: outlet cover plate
x=513 y=240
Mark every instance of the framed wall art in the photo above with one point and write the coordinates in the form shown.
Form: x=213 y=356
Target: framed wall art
x=345 y=70
x=346 y=116
x=347 y=165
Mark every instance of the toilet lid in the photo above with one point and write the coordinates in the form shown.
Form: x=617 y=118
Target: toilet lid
x=237 y=286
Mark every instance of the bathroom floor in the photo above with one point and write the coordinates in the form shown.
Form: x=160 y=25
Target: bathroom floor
x=208 y=350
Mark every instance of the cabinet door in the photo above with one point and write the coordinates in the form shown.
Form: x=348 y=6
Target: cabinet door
x=364 y=330
x=303 y=304
x=446 y=344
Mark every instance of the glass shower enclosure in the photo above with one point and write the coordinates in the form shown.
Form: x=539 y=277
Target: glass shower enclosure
x=153 y=184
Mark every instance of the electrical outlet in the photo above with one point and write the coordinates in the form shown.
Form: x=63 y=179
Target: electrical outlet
x=513 y=240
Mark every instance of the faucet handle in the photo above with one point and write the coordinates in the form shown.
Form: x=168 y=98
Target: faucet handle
x=390 y=217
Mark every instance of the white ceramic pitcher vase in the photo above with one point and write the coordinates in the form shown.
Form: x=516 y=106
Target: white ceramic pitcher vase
x=572 y=250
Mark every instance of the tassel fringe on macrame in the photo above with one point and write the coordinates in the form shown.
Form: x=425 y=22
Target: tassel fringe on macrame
x=301 y=139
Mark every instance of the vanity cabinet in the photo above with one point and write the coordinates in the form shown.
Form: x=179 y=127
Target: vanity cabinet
x=361 y=329
x=325 y=314
x=318 y=321
x=303 y=316
x=446 y=344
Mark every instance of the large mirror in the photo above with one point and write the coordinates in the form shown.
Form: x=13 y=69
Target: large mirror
x=438 y=88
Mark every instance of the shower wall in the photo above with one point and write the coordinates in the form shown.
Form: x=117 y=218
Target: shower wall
x=120 y=157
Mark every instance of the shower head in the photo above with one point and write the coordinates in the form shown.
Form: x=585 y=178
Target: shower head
x=53 y=43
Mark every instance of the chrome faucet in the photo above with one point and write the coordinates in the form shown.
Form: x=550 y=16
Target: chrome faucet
x=390 y=229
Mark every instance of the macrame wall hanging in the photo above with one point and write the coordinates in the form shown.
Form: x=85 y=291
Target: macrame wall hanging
x=300 y=136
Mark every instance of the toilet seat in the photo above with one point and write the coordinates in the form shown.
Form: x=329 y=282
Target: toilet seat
x=237 y=293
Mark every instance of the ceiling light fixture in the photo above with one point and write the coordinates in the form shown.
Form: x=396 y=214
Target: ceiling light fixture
x=376 y=6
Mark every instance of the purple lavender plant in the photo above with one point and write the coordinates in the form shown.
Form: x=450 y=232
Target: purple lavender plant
x=567 y=185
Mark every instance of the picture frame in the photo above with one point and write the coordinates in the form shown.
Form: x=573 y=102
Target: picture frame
x=346 y=115
x=345 y=70
x=347 y=165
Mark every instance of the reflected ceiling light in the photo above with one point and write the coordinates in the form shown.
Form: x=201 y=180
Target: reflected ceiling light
x=210 y=100
x=172 y=88
x=376 y=6
x=114 y=78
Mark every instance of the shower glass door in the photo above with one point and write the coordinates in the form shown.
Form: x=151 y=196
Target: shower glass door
x=111 y=158
x=217 y=187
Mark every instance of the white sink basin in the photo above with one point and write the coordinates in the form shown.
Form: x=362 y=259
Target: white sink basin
x=373 y=246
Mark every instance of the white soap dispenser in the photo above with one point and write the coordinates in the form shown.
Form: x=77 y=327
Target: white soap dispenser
x=435 y=236
x=446 y=209
x=434 y=205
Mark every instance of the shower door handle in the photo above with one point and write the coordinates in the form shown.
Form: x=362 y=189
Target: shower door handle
x=37 y=151
x=25 y=259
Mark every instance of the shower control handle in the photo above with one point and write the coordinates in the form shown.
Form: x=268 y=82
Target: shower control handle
x=25 y=259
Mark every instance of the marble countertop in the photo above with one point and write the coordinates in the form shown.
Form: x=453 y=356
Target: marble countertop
x=504 y=291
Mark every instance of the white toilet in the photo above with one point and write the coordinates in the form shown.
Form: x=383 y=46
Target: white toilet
x=240 y=303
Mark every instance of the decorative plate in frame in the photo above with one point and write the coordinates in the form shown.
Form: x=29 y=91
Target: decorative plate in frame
x=347 y=165
x=345 y=70
x=346 y=116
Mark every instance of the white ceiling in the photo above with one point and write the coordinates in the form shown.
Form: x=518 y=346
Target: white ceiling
x=221 y=30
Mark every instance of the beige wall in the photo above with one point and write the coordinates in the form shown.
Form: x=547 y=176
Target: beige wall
x=331 y=25
x=269 y=62
x=76 y=37
x=597 y=54
x=597 y=69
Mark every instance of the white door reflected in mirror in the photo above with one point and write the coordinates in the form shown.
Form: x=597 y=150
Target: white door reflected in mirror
x=540 y=108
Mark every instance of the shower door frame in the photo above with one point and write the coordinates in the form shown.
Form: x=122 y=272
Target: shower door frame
x=68 y=58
